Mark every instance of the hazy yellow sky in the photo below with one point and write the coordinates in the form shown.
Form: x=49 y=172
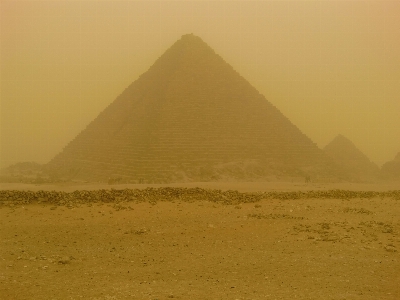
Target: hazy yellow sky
x=330 y=66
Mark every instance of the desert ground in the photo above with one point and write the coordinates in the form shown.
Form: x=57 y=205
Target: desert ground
x=272 y=248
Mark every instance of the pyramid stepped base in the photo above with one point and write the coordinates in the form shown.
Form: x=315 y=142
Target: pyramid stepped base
x=165 y=171
x=169 y=162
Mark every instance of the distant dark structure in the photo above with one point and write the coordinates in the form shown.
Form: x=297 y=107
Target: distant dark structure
x=391 y=169
x=355 y=165
x=190 y=117
x=25 y=172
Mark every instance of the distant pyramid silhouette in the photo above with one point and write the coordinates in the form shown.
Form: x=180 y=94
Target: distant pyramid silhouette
x=191 y=116
x=355 y=164
x=397 y=158
x=391 y=169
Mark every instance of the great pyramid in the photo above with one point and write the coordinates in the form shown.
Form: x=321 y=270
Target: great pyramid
x=391 y=169
x=191 y=116
x=356 y=165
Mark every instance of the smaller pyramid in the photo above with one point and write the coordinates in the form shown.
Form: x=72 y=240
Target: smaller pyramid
x=355 y=165
x=397 y=158
x=391 y=169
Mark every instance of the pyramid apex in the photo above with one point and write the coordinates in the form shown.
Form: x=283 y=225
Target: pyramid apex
x=340 y=141
x=190 y=37
x=341 y=136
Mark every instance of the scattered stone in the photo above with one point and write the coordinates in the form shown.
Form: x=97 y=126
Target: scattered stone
x=390 y=248
x=274 y=216
x=64 y=261
x=151 y=195
x=357 y=210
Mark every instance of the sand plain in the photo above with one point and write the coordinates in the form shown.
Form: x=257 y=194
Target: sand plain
x=202 y=249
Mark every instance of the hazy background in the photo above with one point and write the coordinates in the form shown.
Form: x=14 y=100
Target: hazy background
x=330 y=66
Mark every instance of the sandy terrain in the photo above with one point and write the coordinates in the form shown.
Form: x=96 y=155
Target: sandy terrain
x=271 y=249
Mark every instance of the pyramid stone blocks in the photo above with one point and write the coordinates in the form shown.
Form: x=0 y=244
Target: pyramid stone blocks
x=187 y=118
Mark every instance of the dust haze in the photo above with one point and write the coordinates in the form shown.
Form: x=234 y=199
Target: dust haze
x=200 y=150
x=331 y=67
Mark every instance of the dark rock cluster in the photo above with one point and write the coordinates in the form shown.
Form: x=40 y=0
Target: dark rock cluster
x=153 y=195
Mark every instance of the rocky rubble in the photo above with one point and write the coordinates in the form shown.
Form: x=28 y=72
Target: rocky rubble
x=152 y=195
